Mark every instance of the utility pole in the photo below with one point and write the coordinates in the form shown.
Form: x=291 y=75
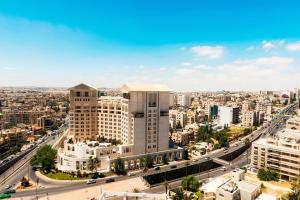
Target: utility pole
x=37 y=183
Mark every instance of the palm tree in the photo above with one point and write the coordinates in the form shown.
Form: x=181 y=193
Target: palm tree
x=92 y=163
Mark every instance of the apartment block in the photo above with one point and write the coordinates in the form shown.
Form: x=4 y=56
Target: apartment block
x=280 y=153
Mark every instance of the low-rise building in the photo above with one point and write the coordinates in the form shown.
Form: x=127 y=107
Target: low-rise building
x=183 y=137
x=280 y=153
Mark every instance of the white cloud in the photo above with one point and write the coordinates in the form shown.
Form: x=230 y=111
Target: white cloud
x=9 y=68
x=211 y=52
x=186 y=64
x=267 y=45
x=293 y=46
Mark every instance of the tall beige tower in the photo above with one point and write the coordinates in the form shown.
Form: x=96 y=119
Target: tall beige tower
x=147 y=116
x=83 y=113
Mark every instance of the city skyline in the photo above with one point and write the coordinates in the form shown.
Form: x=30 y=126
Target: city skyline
x=190 y=47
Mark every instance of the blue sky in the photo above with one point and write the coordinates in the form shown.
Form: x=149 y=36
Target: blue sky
x=188 y=45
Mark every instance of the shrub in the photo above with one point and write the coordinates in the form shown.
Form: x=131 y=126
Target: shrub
x=267 y=175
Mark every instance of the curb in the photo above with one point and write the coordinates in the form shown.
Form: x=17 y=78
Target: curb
x=47 y=179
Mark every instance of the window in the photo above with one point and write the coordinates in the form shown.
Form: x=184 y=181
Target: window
x=152 y=100
x=86 y=94
x=77 y=94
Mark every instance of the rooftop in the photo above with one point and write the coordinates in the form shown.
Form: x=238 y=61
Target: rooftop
x=145 y=87
x=82 y=86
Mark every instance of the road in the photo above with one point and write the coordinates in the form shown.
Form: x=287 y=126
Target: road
x=269 y=128
x=22 y=168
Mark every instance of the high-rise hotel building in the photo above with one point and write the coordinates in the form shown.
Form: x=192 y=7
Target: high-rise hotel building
x=147 y=125
x=83 y=113
x=140 y=117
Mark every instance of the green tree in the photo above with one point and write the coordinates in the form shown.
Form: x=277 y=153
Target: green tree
x=224 y=141
x=92 y=163
x=247 y=142
x=119 y=167
x=190 y=183
x=198 y=195
x=25 y=182
x=179 y=195
x=44 y=157
x=267 y=175
x=147 y=161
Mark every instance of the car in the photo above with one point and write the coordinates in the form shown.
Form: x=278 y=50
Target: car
x=110 y=180
x=244 y=154
x=224 y=168
x=236 y=144
x=7 y=187
x=207 y=158
x=173 y=166
x=9 y=191
x=91 y=181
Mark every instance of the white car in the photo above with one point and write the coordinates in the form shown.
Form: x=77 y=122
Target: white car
x=91 y=181
x=7 y=187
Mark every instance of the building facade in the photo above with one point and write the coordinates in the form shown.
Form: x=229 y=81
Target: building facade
x=83 y=113
x=280 y=153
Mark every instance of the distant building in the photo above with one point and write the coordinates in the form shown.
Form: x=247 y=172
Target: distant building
x=228 y=115
x=252 y=118
x=183 y=100
x=183 y=137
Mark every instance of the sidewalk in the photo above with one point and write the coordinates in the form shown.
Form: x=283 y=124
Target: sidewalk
x=93 y=192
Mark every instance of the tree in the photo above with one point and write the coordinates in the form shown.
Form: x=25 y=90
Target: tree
x=190 y=183
x=147 y=161
x=178 y=194
x=119 y=167
x=247 y=142
x=25 y=182
x=295 y=187
x=185 y=154
x=224 y=141
x=45 y=157
x=204 y=133
x=198 y=195
x=92 y=163
x=267 y=175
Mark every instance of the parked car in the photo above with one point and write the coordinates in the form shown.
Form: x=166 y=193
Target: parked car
x=9 y=191
x=173 y=166
x=7 y=187
x=110 y=180
x=91 y=181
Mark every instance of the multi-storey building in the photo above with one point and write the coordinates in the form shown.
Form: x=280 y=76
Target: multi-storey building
x=183 y=100
x=148 y=117
x=110 y=117
x=139 y=119
x=83 y=113
x=280 y=153
x=252 y=118
x=293 y=123
x=228 y=115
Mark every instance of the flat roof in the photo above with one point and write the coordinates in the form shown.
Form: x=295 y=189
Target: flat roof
x=249 y=187
x=145 y=87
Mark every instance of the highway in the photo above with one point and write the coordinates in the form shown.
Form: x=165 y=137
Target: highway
x=269 y=128
x=22 y=168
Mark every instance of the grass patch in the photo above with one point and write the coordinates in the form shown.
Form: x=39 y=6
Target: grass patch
x=65 y=176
